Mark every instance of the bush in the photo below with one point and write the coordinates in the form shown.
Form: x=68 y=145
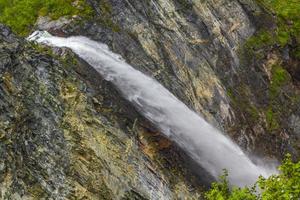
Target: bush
x=285 y=186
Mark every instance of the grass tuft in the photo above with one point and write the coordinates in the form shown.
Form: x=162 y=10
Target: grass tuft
x=21 y=15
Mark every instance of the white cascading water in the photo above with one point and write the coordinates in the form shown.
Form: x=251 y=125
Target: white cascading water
x=205 y=144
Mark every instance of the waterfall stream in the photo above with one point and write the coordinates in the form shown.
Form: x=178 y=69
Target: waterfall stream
x=205 y=144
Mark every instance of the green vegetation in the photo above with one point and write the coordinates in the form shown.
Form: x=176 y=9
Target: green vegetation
x=272 y=119
x=241 y=99
x=280 y=77
x=285 y=186
x=287 y=20
x=221 y=191
x=264 y=42
x=21 y=15
x=106 y=19
x=261 y=39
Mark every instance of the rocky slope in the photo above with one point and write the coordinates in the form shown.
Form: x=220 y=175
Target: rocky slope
x=195 y=49
x=65 y=133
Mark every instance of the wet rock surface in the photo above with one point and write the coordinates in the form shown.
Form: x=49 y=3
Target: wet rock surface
x=67 y=134
x=195 y=49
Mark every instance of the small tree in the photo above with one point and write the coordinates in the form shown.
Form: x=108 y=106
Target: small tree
x=284 y=186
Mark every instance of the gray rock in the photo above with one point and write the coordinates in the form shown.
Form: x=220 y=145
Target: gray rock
x=294 y=121
x=66 y=136
x=46 y=23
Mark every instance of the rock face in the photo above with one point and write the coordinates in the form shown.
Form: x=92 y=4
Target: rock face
x=194 y=48
x=185 y=45
x=189 y=46
x=65 y=133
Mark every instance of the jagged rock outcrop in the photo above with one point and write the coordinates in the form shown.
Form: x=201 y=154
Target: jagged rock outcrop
x=65 y=133
x=195 y=49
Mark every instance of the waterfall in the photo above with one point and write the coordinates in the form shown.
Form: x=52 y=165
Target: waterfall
x=205 y=144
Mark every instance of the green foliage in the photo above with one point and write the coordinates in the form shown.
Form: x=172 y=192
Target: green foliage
x=272 y=120
x=284 y=186
x=21 y=15
x=106 y=16
x=221 y=191
x=288 y=24
x=296 y=52
x=280 y=77
x=261 y=39
x=241 y=99
x=257 y=47
x=287 y=12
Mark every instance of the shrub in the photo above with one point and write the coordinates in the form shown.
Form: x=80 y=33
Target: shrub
x=284 y=186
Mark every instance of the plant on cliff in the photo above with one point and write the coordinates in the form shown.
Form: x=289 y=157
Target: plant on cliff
x=280 y=77
x=284 y=186
x=287 y=20
x=277 y=41
x=21 y=15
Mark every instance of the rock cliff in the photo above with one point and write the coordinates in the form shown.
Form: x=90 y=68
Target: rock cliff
x=196 y=49
x=65 y=133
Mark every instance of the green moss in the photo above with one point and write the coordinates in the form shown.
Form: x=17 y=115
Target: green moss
x=185 y=4
x=46 y=50
x=280 y=77
x=296 y=53
x=253 y=111
x=240 y=98
x=230 y=94
x=272 y=121
x=283 y=37
x=288 y=24
x=286 y=11
x=287 y=30
x=261 y=39
x=106 y=16
x=21 y=15
x=67 y=61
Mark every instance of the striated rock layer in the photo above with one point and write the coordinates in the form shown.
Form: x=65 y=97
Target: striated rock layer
x=67 y=134
x=195 y=49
